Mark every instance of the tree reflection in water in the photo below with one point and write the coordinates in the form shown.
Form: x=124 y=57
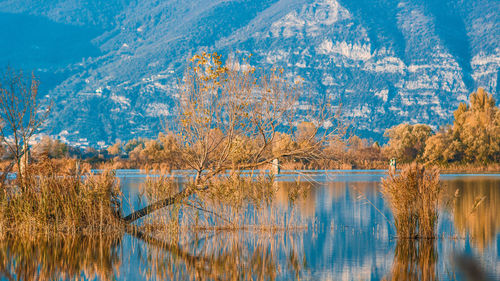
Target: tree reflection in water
x=233 y=255
x=476 y=209
x=222 y=255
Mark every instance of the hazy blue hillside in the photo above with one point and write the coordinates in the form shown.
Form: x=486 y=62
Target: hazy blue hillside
x=112 y=66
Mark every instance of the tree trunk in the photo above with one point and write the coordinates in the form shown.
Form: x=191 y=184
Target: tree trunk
x=157 y=205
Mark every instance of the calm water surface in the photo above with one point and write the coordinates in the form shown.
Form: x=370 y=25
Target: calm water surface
x=349 y=237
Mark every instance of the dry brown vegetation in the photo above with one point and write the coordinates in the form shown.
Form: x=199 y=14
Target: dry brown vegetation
x=413 y=197
x=54 y=203
x=472 y=143
x=474 y=136
x=64 y=167
x=231 y=203
x=43 y=198
x=335 y=152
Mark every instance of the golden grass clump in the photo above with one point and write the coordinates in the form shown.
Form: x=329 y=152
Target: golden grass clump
x=413 y=198
x=60 y=204
x=237 y=190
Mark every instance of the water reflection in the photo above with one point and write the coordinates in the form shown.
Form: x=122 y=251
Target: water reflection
x=301 y=194
x=414 y=260
x=60 y=258
x=221 y=256
x=346 y=239
x=475 y=208
x=209 y=256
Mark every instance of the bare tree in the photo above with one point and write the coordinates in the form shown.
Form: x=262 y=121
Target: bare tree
x=232 y=119
x=21 y=114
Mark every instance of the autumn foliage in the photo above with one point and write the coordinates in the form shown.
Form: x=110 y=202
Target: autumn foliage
x=474 y=137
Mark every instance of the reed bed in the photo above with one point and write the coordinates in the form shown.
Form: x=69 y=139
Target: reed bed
x=413 y=198
x=51 y=203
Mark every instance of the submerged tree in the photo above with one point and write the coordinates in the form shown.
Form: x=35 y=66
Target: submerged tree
x=232 y=119
x=21 y=114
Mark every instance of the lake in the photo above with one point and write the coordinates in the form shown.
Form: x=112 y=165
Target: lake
x=347 y=235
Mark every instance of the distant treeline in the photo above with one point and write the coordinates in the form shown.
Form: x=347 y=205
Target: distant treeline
x=472 y=140
x=474 y=137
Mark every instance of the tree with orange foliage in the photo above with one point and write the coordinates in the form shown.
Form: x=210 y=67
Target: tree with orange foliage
x=230 y=120
x=474 y=136
x=407 y=142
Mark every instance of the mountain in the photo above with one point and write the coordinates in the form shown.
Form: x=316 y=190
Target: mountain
x=111 y=66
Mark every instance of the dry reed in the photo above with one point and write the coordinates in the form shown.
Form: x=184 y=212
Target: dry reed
x=227 y=203
x=413 y=198
x=52 y=203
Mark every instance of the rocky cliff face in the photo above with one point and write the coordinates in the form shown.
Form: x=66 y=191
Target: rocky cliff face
x=112 y=66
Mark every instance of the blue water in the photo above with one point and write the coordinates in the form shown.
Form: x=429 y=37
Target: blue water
x=350 y=236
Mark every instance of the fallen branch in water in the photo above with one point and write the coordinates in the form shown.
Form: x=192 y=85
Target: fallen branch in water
x=157 y=205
